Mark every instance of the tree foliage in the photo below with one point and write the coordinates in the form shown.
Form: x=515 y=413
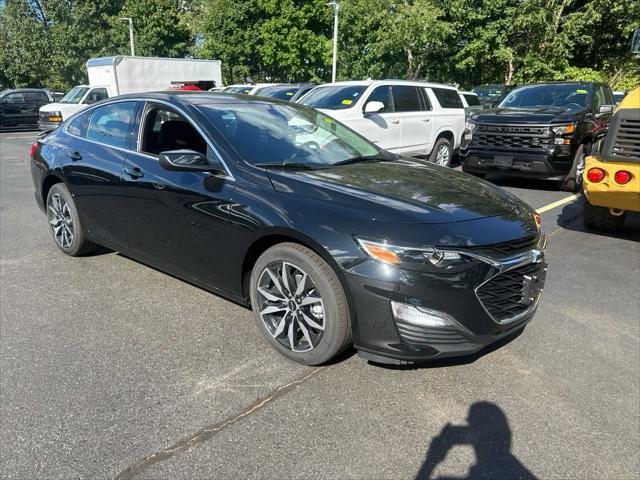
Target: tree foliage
x=467 y=42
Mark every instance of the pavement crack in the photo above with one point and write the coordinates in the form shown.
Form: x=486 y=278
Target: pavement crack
x=209 y=431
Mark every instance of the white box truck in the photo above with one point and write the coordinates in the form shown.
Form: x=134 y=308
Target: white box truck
x=119 y=75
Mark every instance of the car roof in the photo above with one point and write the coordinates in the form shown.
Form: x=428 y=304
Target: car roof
x=198 y=97
x=26 y=90
x=388 y=81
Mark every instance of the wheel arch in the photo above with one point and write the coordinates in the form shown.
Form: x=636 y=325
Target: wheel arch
x=49 y=181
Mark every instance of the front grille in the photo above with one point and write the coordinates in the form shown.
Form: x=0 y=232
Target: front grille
x=502 y=296
x=416 y=335
x=505 y=249
x=523 y=137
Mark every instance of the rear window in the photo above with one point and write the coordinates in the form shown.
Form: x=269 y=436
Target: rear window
x=447 y=97
x=334 y=97
x=472 y=100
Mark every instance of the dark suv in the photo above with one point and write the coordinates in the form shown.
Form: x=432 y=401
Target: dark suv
x=542 y=130
x=19 y=108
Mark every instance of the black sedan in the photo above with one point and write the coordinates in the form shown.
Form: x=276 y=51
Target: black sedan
x=277 y=206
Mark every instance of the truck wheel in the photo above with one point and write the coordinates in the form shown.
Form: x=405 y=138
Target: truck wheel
x=573 y=181
x=600 y=218
x=299 y=304
x=442 y=153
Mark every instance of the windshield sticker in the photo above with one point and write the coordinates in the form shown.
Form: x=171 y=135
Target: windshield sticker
x=290 y=93
x=346 y=101
x=581 y=90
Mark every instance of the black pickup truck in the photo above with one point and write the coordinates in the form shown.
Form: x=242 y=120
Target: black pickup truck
x=19 y=107
x=542 y=130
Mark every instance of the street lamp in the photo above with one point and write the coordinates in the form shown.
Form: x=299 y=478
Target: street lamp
x=130 y=20
x=336 y=7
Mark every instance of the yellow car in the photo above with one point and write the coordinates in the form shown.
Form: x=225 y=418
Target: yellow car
x=611 y=178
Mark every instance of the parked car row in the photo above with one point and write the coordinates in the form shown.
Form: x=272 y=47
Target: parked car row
x=19 y=107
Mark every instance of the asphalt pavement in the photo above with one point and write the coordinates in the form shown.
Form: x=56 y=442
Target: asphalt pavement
x=111 y=369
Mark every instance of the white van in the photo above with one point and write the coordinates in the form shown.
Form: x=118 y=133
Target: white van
x=408 y=117
x=111 y=76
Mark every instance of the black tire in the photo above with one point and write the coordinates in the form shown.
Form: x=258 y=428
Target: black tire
x=336 y=335
x=600 y=218
x=440 y=144
x=60 y=204
x=573 y=180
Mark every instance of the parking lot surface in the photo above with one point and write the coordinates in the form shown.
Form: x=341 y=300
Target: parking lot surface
x=111 y=369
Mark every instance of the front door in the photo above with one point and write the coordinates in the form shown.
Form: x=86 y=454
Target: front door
x=178 y=220
x=382 y=128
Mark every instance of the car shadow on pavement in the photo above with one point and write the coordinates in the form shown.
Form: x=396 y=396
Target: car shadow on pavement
x=488 y=433
x=571 y=219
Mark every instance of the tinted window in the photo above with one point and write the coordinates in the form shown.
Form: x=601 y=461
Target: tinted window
x=79 y=125
x=382 y=94
x=286 y=133
x=110 y=124
x=36 y=97
x=472 y=100
x=334 y=97
x=447 y=97
x=243 y=89
x=406 y=99
x=13 y=98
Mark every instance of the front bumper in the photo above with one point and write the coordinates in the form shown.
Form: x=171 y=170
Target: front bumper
x=552 y=164
x=380 y=337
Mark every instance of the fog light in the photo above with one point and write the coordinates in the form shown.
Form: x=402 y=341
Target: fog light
x=422 y=317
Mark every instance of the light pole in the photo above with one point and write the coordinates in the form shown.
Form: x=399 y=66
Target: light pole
x=336 y=10
x=130 y=20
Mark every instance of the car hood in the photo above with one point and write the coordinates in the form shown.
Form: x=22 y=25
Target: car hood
x=528 y=115
x=401 y=191
x=65 y=108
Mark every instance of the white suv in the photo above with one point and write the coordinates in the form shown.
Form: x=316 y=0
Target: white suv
x=407 y=117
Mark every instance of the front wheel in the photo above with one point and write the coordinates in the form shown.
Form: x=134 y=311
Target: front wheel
x=299 y=304
x=442 y=153
x=64 y=222
x=573 y=181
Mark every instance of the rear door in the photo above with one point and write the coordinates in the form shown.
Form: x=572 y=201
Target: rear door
x=382 y=128
x=414 y=118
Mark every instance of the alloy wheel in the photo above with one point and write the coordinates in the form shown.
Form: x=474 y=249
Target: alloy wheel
x=60 y=220
x=580 y=168
x=442 y=156
x=291 y=306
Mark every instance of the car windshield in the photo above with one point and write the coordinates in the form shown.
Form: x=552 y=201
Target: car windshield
x=490 y=91
x=282 y=93
x=338 y=97
x=572 y=96
x=287 y=134
x=74 y=95
x=241 y=89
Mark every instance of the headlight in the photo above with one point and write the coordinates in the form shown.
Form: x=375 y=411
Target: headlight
x=469 y=124
x=419 y=258
x=564 y=129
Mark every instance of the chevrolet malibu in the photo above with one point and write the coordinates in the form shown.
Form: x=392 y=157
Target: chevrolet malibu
x=329 y=239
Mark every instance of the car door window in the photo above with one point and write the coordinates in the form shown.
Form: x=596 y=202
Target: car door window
x=447 y=98
x=382 y=94
x=111 y=124
x=35 y=97
x=96 y=95
x=14 y=98
x=406 y=99
x=79 y=125
x=598 y=100
x=166 y=130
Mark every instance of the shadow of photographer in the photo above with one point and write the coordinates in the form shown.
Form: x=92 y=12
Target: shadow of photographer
x=488 y=433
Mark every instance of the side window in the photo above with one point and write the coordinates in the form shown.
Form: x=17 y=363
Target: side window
x=96 y=95
x=447 y=98
x=598 y=100
x=406 y=99
x=35 y=97
x=382 y=94
x=472 y=100
x=111 y=124
x=14 y=98
x=79 y=125
x=166 y=130
x=608 y=96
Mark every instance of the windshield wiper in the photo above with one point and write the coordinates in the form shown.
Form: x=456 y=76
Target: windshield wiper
x=292 y=165
x=365 y=158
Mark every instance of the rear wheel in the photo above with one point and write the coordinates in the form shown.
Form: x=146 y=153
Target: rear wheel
x=299 y=304
x=600 y=218
x=64 y=222
x=442 y=153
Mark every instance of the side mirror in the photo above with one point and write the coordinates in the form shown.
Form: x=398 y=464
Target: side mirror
x=186 y=161
x=373 y=107
x=606 y=108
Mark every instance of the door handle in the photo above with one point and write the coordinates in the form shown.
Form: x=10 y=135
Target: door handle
x=426 y=120
x=134 y=172
x=75 y=156
x=395 y=121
